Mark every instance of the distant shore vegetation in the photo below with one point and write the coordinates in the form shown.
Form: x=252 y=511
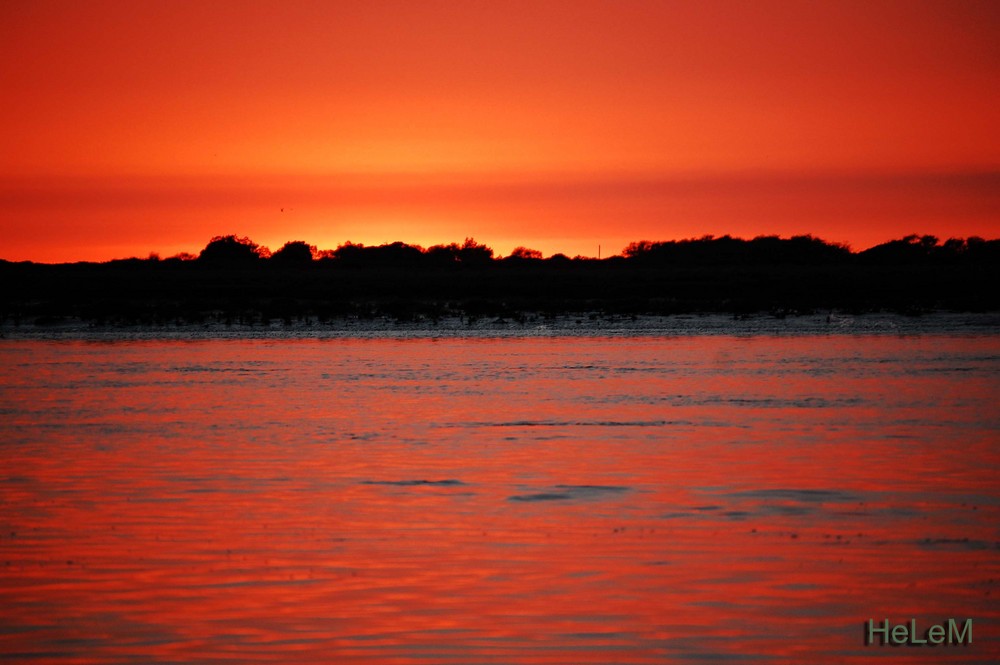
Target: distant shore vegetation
x=711 y=249
x=234 y=280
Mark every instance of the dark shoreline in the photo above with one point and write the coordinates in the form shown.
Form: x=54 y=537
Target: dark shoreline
x=408 y=286
x=109 y=295
x=570 y=325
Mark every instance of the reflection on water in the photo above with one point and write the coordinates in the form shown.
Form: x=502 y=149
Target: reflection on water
x=563 y=500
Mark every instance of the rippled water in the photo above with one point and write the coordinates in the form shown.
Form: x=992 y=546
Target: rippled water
x=531 y=500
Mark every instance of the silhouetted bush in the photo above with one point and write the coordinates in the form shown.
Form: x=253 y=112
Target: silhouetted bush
x=469 y=253
x=397 y=253
x=525 y=254
x=917 y=250
x=762 y=250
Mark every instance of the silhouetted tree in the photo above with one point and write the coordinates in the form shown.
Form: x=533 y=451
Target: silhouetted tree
x=395 y=254
x=294 y=252
x=804 y=249
x=910 y=249
x=762 y=251
x=953 y=248
x=978 y=250
x=443 y=254
x=390 y=254
x=526 y=254
x=231 y=249
x=473 y=253
x=348 y=253
x=638 y=248
x=468 y=253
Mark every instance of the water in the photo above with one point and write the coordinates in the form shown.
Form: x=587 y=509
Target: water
x=498 y=500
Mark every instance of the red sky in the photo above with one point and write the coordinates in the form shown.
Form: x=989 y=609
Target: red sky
x=133 y=127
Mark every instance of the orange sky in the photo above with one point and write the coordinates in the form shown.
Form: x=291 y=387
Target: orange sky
x=131 y=127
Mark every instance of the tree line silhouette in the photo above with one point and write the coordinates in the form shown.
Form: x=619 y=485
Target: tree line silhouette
x=233 y=249
x=707 y=250
x=233 y=280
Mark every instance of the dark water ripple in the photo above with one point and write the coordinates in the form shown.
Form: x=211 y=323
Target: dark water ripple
x=414 y=483
x=569 y=492
x=567 y=423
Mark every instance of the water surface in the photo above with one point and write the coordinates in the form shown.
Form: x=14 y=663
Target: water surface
x=497 y=500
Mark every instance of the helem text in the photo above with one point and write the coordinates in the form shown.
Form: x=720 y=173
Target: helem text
x=948 y=632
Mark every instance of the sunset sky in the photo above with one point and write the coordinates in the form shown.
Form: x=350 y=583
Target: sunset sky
x=131 y=127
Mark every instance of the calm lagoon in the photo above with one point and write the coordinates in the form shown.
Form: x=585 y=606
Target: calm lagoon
x=526 y=499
